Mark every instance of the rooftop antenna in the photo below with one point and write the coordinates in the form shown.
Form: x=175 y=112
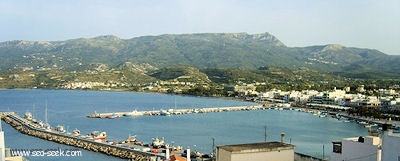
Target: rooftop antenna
x=33 y=112
x=213 y=145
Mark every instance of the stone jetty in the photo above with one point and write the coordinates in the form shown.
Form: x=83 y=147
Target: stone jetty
x=26 y=127
x=175 y=111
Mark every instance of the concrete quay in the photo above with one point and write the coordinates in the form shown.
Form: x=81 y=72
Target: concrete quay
x=27 y=127
x=175 y=111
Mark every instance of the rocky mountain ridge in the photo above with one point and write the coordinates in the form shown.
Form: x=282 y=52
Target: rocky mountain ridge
x=202 y=50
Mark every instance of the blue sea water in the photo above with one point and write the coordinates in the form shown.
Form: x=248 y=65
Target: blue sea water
x=307 y=132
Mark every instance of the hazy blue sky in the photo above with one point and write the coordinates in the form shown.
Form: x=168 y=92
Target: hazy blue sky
x=357 y=23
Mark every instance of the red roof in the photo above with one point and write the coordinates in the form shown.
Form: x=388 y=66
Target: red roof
x=177 y=158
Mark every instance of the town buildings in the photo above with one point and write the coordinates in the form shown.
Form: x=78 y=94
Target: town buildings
x=387 y=101
x=265 y=151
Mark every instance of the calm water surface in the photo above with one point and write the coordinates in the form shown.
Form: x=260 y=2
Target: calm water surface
x=69 y=108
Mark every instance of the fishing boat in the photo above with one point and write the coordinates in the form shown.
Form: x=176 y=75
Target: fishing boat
x=97 y=135
x=112 y=116
x=323 y=114
x=132 y=139
x=76 y=132
x=164 y=113
x=47 y=126
x=134 y=113
x=60 y=128
x=158 y=143
x=28 y=115
x=94 y=115
x=40 y=123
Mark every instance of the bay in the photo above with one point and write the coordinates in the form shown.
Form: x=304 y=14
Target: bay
x=69 y=108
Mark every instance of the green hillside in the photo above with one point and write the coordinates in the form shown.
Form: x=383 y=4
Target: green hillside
x=208 y=50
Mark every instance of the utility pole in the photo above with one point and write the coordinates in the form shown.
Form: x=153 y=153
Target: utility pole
x=213 y=146
x=265 y=133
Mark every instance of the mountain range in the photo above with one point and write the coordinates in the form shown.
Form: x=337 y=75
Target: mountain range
x=204 y=50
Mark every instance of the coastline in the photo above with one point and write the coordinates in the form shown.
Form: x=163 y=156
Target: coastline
x=318 y=107
x=134 y=122
x=122 y=90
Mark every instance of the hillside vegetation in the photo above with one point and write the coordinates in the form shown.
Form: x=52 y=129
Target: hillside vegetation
x=203 y=51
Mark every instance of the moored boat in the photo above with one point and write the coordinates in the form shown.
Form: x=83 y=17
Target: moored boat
x=158 y=143
x=134 y=113
x=112 y=116
x=94 y=115
x=28 y=115
x=164 y=113
x=97 y=135
x=60 y=128
x=76 y=132
x=130 y=139
x=47 y=126
x=323 y=114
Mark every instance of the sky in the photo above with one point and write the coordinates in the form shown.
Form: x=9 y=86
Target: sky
x=373 y=24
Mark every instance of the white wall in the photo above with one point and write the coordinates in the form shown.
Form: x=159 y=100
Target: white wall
x=390 y=147
x=2 y=146
x=357 y=151
x=282 y=155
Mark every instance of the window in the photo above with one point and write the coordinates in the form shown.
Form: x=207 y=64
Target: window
x=337 y=147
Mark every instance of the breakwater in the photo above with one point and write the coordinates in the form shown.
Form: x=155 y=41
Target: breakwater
x=174 y=111
x=26 y=127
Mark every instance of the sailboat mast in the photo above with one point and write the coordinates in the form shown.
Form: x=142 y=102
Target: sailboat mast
x=45 y=114
x=175 y=101
x=33 y=111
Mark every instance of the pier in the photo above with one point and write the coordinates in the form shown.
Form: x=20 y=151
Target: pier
x=174 y=111
x=29 y=128
x=395 y=124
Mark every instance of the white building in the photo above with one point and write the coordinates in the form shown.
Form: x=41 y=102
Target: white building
x=266 y=95
x=266 y=151
x=357 y=149
x=386 y=92
x=2 y=144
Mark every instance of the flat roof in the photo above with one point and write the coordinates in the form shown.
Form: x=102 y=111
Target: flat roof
x=257 y=147
x=16 y=158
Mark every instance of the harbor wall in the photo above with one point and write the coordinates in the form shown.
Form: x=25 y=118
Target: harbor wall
x=178 y=111
x=26 y=128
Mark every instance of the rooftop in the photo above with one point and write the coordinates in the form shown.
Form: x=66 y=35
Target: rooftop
x=17 y=158
x=258 y=147
x=369 y=140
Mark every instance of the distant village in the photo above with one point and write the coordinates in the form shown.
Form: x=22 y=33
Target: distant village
x=383 y=99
